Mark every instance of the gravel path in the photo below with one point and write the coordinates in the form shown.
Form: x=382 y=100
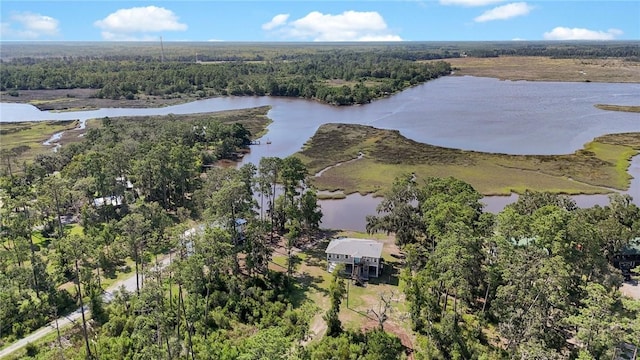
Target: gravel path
x=129 y=285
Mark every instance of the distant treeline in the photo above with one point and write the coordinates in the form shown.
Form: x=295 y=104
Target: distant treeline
x=337 y=77
x=223 y=51
x=340 y=74
x=627 y=50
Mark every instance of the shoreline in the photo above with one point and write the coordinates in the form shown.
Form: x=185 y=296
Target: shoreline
x=599 y=167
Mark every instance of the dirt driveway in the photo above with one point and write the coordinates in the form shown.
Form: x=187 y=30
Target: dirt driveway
x=631 y=289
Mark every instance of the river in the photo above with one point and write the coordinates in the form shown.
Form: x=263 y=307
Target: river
x=471 y=113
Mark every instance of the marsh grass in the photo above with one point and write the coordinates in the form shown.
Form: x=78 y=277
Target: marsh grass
x=23 y=140
x=597 y=168
x=624 y=108
x=539 y=68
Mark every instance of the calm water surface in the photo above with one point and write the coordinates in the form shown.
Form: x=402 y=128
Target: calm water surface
x=482 y=114
x=471 y=113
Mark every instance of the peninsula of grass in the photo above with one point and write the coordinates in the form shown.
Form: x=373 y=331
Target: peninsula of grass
x=597 y=168
x=624 y=108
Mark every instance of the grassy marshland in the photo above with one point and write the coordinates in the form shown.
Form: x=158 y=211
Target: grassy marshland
x=24 y=139
x=540 y=68
x=600 y=165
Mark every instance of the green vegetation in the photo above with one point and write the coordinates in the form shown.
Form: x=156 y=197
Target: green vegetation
x=136 y=74
x=134 y=184
x=600 y=165
x=264 y=52
x=462 y=276
x=310 y=75
x=534 y=281
x=247 y=277
x=22 y=141
x=550 y=68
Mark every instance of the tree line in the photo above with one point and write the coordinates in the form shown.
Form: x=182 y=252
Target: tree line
x=28 y=53
x=368 y=76
x=539 y=274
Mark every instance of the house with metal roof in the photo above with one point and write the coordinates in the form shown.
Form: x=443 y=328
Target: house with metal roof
x=362 y=257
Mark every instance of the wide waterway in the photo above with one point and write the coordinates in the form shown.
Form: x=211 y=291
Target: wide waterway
x=471 y=113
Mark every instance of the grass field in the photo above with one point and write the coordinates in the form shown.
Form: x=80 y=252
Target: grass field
x=597 y=168
x=538 y=68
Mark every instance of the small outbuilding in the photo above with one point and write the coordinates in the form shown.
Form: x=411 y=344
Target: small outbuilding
x=362 y=257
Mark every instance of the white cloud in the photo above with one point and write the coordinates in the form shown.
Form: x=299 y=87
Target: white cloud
x=348 y=26
x=125 y=23
x=277 y=20
x=470 y=3
x=565 y=33
x=505 y=12
x=29 y=26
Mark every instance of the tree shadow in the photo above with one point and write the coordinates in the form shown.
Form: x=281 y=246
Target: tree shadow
x=361 y=313
x=295 y=262
x=390 y=275
x=304 y=282
x=317 y=251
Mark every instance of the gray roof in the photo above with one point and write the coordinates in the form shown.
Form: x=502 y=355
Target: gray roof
x=355 y=247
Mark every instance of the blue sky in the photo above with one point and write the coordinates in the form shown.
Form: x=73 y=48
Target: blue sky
x=326 y=20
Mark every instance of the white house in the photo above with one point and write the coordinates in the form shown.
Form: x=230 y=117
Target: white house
x=362 y=257
x=108 y=200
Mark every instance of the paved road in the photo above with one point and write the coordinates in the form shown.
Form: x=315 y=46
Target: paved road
x=128 y=283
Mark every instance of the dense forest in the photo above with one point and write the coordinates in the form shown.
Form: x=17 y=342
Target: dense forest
x=539 y=273
x=534 y=281
x=278 y=51
x=336 y=77
x=340 y=75
x=129 y=190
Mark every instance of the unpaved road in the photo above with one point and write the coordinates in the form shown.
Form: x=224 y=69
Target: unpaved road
x=631 y=289
x=129 y=285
